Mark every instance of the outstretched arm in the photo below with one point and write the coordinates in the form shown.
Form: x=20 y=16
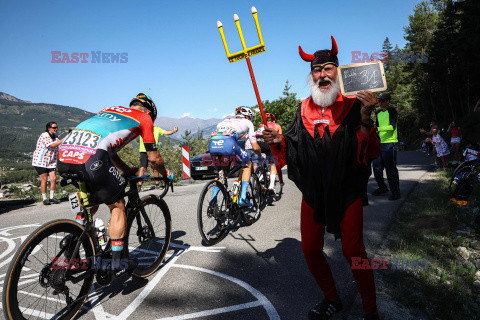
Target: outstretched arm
x=169 y=132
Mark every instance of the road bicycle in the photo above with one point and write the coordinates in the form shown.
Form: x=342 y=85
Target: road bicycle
x=52 y=273
x=216 y=214
x=464 y=180
x=263 y=174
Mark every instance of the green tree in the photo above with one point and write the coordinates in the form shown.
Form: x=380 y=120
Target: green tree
x=283 y=108
x=387 y=50
x=130 y=156
x=172 y=157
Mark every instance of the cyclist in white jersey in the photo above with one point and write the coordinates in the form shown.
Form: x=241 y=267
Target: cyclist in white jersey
x=224 y=143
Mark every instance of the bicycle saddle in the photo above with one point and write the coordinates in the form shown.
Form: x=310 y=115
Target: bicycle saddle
x=70 y=178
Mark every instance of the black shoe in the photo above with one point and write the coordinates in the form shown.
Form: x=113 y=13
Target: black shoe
x=395 y=196
x=46 y=202
x=325 y=309
x=370 y=316
x=379 y=191
x=55 y=201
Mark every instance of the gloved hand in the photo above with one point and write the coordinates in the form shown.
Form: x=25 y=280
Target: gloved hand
x=131 y=171
x=170 y=175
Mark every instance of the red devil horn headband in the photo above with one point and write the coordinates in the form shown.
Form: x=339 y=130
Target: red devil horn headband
x=309 y=57
x=334 y=50
x=305 y=56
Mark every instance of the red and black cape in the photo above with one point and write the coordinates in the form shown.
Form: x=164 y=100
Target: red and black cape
x=328 y=157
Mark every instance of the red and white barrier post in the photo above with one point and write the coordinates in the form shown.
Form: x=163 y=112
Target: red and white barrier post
x=186 y=162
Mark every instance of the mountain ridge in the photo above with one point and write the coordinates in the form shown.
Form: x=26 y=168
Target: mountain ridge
x=22 y=122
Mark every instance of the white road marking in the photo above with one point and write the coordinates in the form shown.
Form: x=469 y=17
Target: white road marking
x=22 y=238
x=36 y=313
x=203 y=249
x=215 y=311
x=57 y=237
x=96 y=305
x=30 y=276
x=4 y=231
x=11 y=246
x=39 y=296
x=148 y=288
x=272 y=313
x=142 y=250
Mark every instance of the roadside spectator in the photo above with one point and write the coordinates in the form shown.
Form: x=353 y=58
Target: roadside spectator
x=441 y=148
x=157 y=132
x=455 y=141
x=386 y=121
x=45 y=161
x=430 y=148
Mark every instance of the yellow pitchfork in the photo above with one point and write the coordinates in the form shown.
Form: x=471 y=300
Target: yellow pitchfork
x=246 y=53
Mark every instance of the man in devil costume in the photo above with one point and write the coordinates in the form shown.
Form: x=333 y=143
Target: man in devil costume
x=327 y=149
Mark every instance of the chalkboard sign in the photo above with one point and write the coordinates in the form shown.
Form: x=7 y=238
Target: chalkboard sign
x=362 y=76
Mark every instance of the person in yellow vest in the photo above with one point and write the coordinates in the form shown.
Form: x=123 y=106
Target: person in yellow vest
x=386 y=124
x=157 y=132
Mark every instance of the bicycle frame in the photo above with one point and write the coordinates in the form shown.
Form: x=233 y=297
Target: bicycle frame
x=133 y=202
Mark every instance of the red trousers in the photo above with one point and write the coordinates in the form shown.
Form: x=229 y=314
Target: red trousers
x=352 y=247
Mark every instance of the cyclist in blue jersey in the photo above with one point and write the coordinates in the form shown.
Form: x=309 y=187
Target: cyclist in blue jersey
x=90 y=151
x=225 y=141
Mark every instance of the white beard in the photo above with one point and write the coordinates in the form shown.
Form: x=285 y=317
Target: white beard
x=320 y=98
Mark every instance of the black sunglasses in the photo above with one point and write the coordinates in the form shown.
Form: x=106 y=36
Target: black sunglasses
x=54 y=127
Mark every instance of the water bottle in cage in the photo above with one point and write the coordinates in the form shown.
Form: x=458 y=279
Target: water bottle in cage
x=100 y=231
x=235 y=190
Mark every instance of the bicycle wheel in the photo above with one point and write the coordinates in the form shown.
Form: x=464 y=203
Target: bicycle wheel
x=39 y=283
x=212 y=212
x=255 y=197
x=148 y=235
x=264 y=180
x=459 y=184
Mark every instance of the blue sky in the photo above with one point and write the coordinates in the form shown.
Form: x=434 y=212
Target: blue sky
x=174 y=49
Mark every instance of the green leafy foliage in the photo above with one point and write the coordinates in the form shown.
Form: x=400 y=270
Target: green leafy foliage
x=284 y=108
x=446 y=86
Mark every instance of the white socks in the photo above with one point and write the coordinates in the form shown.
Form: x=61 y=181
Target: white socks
x=44 y=196
x=272 y=180
x=51 y=194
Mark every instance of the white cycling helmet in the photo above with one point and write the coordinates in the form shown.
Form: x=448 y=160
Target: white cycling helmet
x=244 y=111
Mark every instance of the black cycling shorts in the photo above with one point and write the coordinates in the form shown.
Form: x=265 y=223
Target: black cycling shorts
x=100 y=175
x=42 y=170
x=143 y=160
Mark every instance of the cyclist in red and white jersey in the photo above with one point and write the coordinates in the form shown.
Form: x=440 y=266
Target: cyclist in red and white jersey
x=90 y=151
x=227 y=141
x=266 y=148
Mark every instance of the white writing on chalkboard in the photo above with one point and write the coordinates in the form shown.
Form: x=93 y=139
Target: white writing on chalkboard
x=368 y=76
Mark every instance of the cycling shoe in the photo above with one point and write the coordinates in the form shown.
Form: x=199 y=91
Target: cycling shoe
x=244 y=203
